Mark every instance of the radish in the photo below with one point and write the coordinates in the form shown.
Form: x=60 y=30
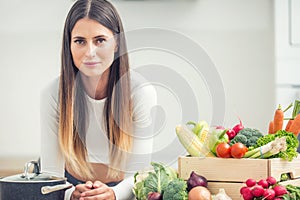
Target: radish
x=247 y=194
x=279 y=190
x=243 y=189
x=257 y=191
x=263 y=183
x=271 y=180
x=238 y=127
x=269 y=194
x=250 y=182
x=231 y=133
x=220 y=127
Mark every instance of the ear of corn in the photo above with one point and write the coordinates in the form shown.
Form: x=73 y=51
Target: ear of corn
x=204 y=131
x=200 y=129
x=191 y=142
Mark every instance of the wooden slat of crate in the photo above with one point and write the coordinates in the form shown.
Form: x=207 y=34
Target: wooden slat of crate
x=237 y=170
x=221 y=169
x=295 y=182
x=231 y=189
x=278 y=167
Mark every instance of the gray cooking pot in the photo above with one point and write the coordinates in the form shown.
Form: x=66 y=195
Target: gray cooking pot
x=33 y=186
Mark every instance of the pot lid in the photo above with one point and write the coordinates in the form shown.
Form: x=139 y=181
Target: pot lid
x=32 y=177
x=42 y=177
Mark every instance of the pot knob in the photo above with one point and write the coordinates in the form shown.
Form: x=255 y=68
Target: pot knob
x=27 y=175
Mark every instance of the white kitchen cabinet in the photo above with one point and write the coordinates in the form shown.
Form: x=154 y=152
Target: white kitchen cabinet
x=287 y=29
x=295 y=22
x=287 y=50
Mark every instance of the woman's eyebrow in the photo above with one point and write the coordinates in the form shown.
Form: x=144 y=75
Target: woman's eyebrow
x=78 y=37
x=101 y=36
x=96 y=37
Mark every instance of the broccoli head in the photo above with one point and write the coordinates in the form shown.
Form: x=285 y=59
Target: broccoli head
x=247 y=136
x=239 y=138
x=176 y=190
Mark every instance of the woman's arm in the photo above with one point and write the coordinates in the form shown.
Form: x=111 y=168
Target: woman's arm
x=144 y=100
x=123 y=191
x=51 y=158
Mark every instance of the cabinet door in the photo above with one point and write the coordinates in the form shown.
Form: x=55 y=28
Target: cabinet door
x=295 y=22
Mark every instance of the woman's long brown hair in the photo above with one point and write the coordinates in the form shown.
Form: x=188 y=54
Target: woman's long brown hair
x=73 y=116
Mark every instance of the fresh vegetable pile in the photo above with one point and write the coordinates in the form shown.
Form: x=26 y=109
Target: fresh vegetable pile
x=200 y=140
x=282 y=144
x=162 y=183
x=153 y=183
x=269 y=189
x=263 y=189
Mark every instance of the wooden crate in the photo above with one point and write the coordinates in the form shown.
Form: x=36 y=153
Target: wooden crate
x=231 y=189
x=231 y=173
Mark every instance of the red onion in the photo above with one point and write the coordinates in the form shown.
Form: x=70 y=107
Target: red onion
x=196 y=180
x=154 y=196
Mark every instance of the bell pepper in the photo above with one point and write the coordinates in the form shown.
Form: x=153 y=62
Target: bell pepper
x=215 y=137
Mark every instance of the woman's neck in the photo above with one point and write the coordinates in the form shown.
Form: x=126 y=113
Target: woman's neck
x=96 y=86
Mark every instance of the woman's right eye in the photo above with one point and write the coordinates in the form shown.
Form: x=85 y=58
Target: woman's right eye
x=79 y=42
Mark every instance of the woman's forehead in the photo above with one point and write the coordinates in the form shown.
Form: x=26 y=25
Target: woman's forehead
x=86 y=27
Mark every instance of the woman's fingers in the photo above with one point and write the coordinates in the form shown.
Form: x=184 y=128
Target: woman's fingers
x=89 y=184
x=80 y=188
x=100 y=191
x=98 y=184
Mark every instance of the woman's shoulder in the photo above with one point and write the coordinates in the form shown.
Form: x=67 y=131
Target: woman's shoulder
x=51 y=89
x=141 y=88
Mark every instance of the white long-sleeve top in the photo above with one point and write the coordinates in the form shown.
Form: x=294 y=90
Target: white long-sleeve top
x=143 y=100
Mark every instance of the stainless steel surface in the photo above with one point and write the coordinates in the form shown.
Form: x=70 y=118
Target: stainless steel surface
x=27 y=166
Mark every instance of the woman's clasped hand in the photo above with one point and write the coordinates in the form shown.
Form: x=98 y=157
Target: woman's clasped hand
x=93 y=191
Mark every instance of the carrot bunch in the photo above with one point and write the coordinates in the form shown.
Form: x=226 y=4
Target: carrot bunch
x=293 y=124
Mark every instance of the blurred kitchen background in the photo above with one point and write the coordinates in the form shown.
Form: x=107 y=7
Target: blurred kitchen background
x=254 y=44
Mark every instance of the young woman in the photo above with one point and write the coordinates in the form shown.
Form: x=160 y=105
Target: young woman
x=96 y=118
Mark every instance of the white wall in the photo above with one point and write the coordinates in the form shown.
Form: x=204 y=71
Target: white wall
x=237 y=36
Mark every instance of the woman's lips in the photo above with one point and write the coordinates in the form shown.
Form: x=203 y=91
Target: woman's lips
x=91 y=63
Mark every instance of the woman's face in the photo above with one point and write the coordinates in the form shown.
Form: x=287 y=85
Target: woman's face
x=92 y=47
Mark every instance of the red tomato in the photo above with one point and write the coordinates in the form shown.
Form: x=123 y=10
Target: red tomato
x=238 y=150
x=223 y=150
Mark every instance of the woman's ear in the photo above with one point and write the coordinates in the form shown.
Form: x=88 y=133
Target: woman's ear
x=116 y=48
x=117 y=43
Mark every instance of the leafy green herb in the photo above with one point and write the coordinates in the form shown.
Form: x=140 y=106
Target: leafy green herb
x=293 y=193
x=291 y=140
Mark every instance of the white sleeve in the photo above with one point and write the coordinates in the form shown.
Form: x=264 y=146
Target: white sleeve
x=123 y=191
x=144 y=99
x=51 y=158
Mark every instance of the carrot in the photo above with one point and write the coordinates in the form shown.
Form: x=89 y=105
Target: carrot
x=288 y=126
x=295 y=127
x=271 y=127
x=278 y=119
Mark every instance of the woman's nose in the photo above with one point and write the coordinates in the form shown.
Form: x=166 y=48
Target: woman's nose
x=91 y=49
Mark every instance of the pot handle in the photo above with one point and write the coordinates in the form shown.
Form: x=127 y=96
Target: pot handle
x=49 y=189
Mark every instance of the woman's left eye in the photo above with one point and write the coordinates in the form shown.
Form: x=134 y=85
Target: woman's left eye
x=100 y=40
